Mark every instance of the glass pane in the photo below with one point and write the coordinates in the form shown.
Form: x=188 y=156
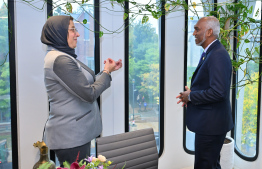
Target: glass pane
x=86 y=40
x=5 y=110
x=144 y=74
x=247 y=100
x=194 y=52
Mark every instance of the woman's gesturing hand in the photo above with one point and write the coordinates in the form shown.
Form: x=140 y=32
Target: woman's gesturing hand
x=111 y=65
x=118 y=64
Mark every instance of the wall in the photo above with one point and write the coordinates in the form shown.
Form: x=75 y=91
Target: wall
x=32 y=98
x=113 y=46
x=174 y=153
x=32 y=102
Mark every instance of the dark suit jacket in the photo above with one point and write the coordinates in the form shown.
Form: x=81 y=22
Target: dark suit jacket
x=209 y=111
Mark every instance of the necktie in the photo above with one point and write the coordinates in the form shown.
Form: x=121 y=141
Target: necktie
x=202 y=56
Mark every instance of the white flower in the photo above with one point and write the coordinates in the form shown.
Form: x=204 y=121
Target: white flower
x=101 y=158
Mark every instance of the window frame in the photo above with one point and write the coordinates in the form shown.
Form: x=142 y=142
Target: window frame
x=234 y=92
x=161 y=73
x=234 y=103
x=12 y=69
x=185 y=76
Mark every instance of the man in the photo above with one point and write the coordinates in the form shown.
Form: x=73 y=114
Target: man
x=208 y=106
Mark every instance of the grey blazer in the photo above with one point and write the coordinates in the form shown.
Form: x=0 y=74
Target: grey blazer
x=72 y=88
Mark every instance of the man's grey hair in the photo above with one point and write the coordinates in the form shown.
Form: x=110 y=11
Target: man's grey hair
x=213 y=23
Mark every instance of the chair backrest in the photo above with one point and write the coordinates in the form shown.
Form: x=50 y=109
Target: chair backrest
x=136 y=149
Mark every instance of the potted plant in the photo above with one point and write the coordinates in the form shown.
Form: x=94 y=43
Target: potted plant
x=227 y=153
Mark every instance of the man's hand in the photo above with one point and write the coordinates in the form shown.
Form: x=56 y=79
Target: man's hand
x=183 y=96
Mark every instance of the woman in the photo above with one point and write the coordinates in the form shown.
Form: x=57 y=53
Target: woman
x=72 y=88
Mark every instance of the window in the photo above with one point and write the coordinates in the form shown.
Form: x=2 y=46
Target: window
x=145 y=60
x=87 y=46
x=193 y=53
x=247 y=99
x=8 y=131
x=85 y=43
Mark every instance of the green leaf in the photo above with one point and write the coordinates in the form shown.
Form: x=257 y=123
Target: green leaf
x=251 y=19
x=246 y=40
x=45 y=165
x=184 y=4
x=120 y=1
x=167 y=6
x=101 y=33
x=124 y=166
x=250 y=10
x=134 y=3
x=148 y=8
x=248 y=52
x=69 y=7
x=257 y=49
x=84 y=21
x=237 y=96
x=245 y=14
x=238 y=44
x=112 y=3
x=223 y=10
x=81 y=163
x=154 y=14
x=145 y=19
x=257 y=12
x=66 y=164
x=125 y=16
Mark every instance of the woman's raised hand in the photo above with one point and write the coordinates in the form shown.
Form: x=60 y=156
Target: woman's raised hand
x=111 y=65
x=118 y=64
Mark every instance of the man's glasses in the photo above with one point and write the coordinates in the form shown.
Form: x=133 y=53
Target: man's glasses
x=74 y=29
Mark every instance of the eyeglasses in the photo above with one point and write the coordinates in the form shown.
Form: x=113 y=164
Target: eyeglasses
x=74 y=29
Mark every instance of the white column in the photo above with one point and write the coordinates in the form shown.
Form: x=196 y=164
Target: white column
x=32 y=104
x=112 y=46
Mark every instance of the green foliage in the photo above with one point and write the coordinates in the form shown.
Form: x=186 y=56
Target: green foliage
x=101 y=33
x=66 y=164
x=190 y=72
x=89 y=163
x=151 y=80
x=167 y=7
x=249 y=120
x=236 y=17
x=5 y=113
x=144 y=60
x=69 y=7
x=125 y=16
x=45 y=165
x=233 y=17
x=145 y=19
x=4 y=41
x=84 y=21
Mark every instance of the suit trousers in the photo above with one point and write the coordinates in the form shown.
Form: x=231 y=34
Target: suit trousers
x=207 y=151
x=70 y=154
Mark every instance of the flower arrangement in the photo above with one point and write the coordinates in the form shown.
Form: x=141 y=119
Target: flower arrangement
x=88 y=163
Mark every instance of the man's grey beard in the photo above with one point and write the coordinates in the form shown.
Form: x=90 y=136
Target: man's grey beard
x=204 y=39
